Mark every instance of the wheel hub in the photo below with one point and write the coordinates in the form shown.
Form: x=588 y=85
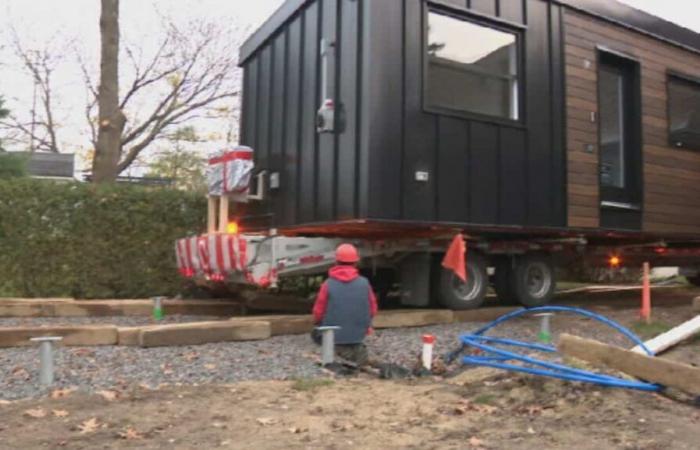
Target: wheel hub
x=538 y=280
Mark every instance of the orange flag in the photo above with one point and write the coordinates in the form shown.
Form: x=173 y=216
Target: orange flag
x=454 y=258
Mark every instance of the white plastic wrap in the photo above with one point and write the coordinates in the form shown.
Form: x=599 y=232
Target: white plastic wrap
x=231 y=173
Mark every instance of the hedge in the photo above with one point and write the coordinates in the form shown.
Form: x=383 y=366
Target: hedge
x=86 y=241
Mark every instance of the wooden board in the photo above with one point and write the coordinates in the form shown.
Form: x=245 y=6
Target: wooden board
x=652 y=369
x=203 y=332
x=78 y=335
x=671 y=337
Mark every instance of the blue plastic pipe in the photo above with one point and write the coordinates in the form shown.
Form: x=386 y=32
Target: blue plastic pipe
x=498 y=357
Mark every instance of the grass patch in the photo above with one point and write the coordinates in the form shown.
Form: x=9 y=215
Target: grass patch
x=485 y=399
x=650 y=330
x=311 y=384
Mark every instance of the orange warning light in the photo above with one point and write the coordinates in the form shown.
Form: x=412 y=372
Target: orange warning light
x=232 y=227
x=615 y=261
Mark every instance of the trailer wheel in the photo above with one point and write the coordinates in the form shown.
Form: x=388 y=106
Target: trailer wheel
x=456 y=294
x=503 y=281
x=533 y=280
x=694 y=280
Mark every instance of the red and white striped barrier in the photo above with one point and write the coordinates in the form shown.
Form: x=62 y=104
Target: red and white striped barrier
x=216 y=256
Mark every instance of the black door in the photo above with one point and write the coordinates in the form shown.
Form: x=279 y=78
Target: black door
x=620 y=142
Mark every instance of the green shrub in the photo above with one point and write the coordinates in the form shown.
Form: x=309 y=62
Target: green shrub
x=12 y=165
x=86 y=241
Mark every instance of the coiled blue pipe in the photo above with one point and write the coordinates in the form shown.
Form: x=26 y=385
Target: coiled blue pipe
x=498 y=357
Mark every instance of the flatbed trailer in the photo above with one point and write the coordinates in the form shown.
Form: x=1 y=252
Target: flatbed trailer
x=519 y=263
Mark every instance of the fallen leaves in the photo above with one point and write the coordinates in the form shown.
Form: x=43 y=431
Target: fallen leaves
x=130 y=434
x=89 y=426
x=465 y=406
x=60 y=413
x=476 y=442
x=265 y=421
x=60 y=393
x=297 y=430
x=108 y=395
x=36 y=413
x=210 y=366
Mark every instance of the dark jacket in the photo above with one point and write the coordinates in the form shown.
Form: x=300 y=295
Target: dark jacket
x=346 y=299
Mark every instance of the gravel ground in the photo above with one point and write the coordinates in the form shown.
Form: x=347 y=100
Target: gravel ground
x=282 y=357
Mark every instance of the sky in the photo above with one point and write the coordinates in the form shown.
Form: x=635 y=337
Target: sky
x=59 y=22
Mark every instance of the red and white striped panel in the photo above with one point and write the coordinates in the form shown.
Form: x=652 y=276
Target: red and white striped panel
x=215 y=254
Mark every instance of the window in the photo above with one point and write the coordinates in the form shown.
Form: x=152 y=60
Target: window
x=472 y=68
x=684 y=112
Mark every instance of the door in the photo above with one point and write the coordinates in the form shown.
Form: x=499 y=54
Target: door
x=620 y=142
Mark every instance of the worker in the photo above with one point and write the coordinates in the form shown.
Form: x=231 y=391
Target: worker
x=346 y=300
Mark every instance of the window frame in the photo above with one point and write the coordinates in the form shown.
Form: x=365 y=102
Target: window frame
x=683 y=78
x=487 y=22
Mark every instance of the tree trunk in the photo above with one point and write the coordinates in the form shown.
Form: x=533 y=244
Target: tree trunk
x=111 y=118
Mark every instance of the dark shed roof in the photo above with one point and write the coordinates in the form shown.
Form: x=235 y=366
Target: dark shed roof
x=611 y=10
x=41 y=164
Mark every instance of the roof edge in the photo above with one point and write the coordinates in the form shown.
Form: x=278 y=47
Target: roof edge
x=287 y=10
x=642 y=22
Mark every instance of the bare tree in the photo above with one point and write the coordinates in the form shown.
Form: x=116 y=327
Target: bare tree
x=111 y=119
x=40 y=129
x=193 y=74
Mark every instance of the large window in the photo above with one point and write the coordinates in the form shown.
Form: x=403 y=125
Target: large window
x=684 y=112
x=472 y=68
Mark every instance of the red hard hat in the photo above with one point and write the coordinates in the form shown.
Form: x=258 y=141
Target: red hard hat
x=347 y=253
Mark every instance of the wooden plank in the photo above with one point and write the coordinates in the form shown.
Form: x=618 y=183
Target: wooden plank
x=409 y=318
x=203 y=332
x=657 y=370
x=671 y=337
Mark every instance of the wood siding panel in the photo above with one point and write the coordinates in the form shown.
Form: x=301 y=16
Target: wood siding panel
x=671 y=175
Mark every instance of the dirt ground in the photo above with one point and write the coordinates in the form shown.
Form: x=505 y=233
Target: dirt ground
x=487 y=409
x=478 y=408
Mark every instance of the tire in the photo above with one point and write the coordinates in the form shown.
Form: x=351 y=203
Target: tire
x=694 y=280
x=502 y=281
x=454 y=294
x=533 y=281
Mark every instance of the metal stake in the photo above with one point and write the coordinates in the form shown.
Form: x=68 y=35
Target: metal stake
x=46 y=373
x=545 y=334
x=158 y=308
x=327 y=344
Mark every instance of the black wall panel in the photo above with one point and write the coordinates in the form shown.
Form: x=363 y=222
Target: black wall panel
x=538 y=115
x=558 y=124
x=310 y=100
x=326 y=178
x=452 y=177
x=382 y=96
x=484 y=6
x=292 y=122
x=278 y=125
x=250 y=100
x=512 y=10
x=513 y=192
x=484 y=173
x=262 y=150
x=348 y=101
x=420 y=133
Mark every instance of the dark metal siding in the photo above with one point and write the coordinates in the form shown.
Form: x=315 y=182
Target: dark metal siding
x=282 y=91
x=480 y=172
